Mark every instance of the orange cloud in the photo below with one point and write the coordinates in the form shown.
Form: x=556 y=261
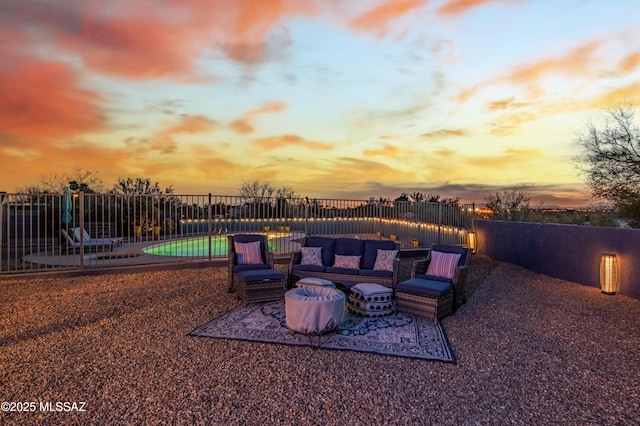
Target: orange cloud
x=386 y=151
x=39 y=98
x=244 y=125
x=629 y=94
x=502 y=104
x=444 y=152
x=276 y=142
x=444 y=132
x=630 y=62
x=251 y=21
x=458 y=7
x=151 y=39
x=164 y=141
x=574 y=62
x=192 y=124
x=378 y=18
x=510 y=157
x=269 y=107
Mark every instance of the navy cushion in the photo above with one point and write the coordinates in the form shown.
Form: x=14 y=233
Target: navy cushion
x=347 y=271
x=371 y=251
x=261 y=274
x=422 y=287
x=310 y=268
x=327 y=245
x=433 y=278
x=462 y=251
x=349 y=246
x=372 y=273
x=262 y=266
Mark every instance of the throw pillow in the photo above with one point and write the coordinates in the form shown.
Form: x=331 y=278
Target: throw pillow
x=351 y=262
x=311 y=256
x=384 y=260
x=443 y=264
x=248 y=253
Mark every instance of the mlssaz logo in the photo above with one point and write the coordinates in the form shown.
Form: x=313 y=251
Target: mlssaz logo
x=63 y=406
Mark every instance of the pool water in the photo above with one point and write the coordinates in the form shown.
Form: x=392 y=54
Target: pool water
x=194 y=247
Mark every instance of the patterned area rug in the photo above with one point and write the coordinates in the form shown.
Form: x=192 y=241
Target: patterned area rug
x=398 y=335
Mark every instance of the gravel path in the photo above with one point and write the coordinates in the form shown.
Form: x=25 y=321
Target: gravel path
x=531 y=350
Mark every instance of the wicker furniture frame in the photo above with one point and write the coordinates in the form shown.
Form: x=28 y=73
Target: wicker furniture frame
x=260 y=291
x=267 y=256
x=345 y=280
x=435 y=307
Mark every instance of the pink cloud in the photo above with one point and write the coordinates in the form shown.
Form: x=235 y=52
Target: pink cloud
x=151 y=39
x=458 y=7
x=42 y=98
x=244 y=125
x=377 y=19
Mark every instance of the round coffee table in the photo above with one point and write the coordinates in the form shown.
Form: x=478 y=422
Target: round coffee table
x=314 y=310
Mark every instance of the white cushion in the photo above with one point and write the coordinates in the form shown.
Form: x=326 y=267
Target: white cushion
x=311 y=256
x=384 y=260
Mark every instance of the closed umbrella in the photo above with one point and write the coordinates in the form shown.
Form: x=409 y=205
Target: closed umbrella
x=67 y=206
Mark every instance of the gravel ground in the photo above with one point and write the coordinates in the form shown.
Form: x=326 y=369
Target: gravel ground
x=531 y=350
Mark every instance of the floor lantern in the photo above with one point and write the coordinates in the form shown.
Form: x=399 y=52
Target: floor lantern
x=609 y=273
x=472 y=242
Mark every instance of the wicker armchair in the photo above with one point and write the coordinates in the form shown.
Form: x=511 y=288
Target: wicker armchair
x=234 y=267
x=434 y=296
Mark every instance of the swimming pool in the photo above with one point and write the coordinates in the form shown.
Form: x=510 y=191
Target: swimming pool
x=194 y=247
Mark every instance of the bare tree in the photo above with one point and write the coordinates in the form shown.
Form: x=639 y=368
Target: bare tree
x=265 y=191
x=610 y=160
x=77 y=179
x=417 y=197
x=140 y=186
x=510 y=205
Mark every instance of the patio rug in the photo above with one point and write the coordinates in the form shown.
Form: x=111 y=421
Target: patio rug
x=399 y=334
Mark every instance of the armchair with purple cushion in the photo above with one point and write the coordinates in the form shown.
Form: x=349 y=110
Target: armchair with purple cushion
x=436 y=284
x=252 y=257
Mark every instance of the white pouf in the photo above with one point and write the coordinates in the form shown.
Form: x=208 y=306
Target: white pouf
x=315 y=282
x=314 y=310
x=371 y=300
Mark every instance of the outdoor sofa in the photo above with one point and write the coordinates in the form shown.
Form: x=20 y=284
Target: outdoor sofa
x=346 y=261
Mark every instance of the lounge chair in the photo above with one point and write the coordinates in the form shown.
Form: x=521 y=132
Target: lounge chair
x=80 y=233
x=263 y=260
x=436 y=284
x=87 y=245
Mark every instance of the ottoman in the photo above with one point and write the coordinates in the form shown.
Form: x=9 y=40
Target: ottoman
x=260 y=285
x=370 y=300
x=314 y=310
x=315 y=282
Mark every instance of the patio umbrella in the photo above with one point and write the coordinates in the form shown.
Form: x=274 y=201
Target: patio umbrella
x=67 y=205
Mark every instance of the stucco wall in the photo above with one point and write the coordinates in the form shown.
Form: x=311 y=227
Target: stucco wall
x=569 y=252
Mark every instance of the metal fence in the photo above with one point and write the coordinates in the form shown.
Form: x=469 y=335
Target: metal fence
x=45 y=232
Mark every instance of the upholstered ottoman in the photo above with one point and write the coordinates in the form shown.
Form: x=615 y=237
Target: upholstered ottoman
x=314 y=310
x=370 y=300
x=314 y=282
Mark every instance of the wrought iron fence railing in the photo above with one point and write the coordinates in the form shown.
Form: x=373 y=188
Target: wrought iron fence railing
x=45 y=232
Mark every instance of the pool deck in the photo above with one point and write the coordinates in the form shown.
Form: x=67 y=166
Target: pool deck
x=130 y=254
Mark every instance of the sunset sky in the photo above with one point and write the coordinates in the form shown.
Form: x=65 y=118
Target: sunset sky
x=333 y=98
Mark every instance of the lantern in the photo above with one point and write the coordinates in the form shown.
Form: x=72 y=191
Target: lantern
x=472 y=242
x=609 y=273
